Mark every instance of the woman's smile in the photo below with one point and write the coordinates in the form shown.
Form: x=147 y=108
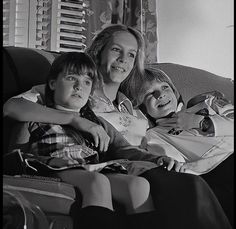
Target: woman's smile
x=118 y=68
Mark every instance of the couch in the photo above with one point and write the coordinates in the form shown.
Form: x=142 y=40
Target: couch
x=24 y=68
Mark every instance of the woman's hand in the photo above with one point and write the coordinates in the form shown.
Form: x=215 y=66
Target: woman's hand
x=100 y=136
x=169 y=163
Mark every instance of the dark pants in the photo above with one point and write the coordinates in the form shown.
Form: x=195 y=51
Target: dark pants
x=185 y=200
x=221 y=181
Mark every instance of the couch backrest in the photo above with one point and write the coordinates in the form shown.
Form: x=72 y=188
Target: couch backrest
x=22 y=69
x=192 y=81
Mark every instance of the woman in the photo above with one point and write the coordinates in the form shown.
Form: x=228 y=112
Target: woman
x=118 y=52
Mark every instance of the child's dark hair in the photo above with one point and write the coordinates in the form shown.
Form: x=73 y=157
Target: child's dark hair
x=71 y=63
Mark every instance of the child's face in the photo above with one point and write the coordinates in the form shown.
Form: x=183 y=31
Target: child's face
x=160 y=99
x=71 y=90
x=118 y=57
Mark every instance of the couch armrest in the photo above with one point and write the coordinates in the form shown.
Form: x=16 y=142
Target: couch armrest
x=50 y=195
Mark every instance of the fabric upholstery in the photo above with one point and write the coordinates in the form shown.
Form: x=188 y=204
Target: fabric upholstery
x=192 y=81
x=50 y=195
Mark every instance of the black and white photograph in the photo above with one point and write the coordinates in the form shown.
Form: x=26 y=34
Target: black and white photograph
x=118 y=114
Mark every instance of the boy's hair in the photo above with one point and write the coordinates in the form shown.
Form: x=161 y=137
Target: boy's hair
x=103 y=38
x=70 y=63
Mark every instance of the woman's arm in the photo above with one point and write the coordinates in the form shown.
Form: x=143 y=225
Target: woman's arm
x=23 y=110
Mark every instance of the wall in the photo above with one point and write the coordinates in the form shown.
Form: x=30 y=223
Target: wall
x=197 y=33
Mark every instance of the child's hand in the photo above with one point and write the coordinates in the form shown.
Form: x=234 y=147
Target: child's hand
x=182 y=120
x=186 y=120
x=100 y=136
x=169 y=163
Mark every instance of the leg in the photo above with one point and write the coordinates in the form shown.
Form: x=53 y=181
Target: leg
x=131 y=191
x=221 y=181
x=186 y=199
x=97 y=200
x=94 y=187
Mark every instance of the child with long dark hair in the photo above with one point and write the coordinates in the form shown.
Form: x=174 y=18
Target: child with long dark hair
x=71 y=153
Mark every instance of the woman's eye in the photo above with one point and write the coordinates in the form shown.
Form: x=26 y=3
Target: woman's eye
x=132 y=55
x=88 y=83
x=165 y=87
x=115 y=49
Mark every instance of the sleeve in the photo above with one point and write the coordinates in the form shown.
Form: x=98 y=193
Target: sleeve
x=119 y=148
x=223 y=126
x=221 y=114
x=35 y=94
x=217 y=110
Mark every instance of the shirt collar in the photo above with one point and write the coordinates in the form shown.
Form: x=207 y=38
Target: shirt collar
x=122 y=100
x=100 y=103
x=66 y=109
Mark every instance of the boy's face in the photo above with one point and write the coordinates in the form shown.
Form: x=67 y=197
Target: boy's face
x=160 y=100
x=118 y=57
x=71 y=90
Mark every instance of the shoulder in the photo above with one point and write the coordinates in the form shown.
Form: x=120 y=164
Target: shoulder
x=35 y=94
x=38 y=88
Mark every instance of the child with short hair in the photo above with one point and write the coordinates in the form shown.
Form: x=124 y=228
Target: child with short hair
x=199 y=136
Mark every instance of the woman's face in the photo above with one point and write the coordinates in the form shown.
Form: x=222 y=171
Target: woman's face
x=160 y=99
x=118 y=57
x=71 y=90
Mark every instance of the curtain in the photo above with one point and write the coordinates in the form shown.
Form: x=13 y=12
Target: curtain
x=139 y=14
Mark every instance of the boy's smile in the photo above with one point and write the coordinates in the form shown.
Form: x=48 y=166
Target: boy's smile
x=160 y=99
x=163 y=104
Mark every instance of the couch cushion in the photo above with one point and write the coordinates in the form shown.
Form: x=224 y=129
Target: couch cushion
x=49 y=194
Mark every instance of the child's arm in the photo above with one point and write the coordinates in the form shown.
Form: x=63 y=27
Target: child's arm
x=213 y=124
x=221 y=125
x=218 y=112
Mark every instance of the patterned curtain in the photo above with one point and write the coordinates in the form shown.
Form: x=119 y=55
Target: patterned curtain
x=140 y=14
